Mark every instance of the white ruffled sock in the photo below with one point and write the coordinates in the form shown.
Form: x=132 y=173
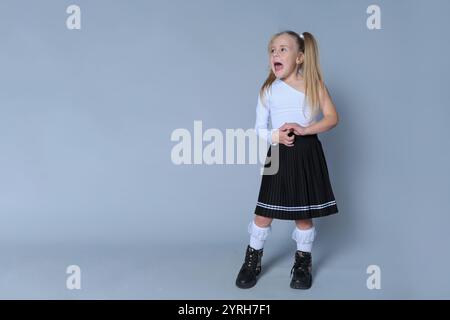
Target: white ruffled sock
x=258 y=235
x=304 y=238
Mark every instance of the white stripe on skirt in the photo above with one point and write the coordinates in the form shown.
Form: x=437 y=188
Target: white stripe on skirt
x=302 y=208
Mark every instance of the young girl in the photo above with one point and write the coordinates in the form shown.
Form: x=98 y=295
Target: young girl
x=300 y=190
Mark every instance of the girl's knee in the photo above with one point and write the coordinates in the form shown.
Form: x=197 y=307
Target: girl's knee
x=263 y=222
x=304 y=223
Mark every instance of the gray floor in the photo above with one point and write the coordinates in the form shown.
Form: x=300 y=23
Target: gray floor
x=193 y=272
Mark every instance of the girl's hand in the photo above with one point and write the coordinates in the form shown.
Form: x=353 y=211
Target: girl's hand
x=287 y=138
x=282 y=136
x=294 y=127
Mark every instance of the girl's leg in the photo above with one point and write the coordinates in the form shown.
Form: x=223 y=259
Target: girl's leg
x=263 y=222
x=304 y=234
x=259 y=230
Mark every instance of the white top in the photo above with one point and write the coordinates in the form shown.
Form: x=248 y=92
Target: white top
x=283 y=103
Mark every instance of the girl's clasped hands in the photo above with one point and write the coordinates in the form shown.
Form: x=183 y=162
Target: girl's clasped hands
x=284 y=133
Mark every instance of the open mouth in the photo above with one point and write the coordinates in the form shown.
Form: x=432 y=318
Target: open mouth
x=278 y=66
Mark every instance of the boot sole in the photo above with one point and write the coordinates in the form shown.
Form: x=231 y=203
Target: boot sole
x=246 y=285
x=296 y=285
x=249 y=284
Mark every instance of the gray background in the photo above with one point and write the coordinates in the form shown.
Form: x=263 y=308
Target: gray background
x=85 y=168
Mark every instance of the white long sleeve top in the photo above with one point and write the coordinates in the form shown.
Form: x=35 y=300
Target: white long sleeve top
x=283 y=103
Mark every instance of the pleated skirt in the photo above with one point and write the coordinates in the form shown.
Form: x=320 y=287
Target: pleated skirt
x=301 y=188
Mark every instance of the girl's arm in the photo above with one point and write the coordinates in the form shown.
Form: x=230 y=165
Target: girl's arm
x=330 y=116
x=262 y=123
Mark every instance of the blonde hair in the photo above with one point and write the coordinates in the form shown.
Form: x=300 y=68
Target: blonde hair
x=310 y=68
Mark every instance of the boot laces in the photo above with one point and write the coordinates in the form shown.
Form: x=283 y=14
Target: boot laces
x=302 y=263
x=251 y=260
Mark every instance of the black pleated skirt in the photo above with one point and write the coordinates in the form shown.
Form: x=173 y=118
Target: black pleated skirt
x=301 y=188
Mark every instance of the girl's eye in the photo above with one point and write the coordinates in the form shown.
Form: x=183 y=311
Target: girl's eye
x=283 y=49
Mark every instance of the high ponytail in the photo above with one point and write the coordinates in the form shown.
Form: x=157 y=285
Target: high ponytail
x=311 y=71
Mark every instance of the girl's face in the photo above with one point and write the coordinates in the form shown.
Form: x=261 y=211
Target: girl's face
x=284 y=56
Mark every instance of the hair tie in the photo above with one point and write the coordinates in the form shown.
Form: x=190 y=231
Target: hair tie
x=301 y=36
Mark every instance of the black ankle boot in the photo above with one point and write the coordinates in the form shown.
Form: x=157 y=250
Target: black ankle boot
x=302 y=270
x=250 y=269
